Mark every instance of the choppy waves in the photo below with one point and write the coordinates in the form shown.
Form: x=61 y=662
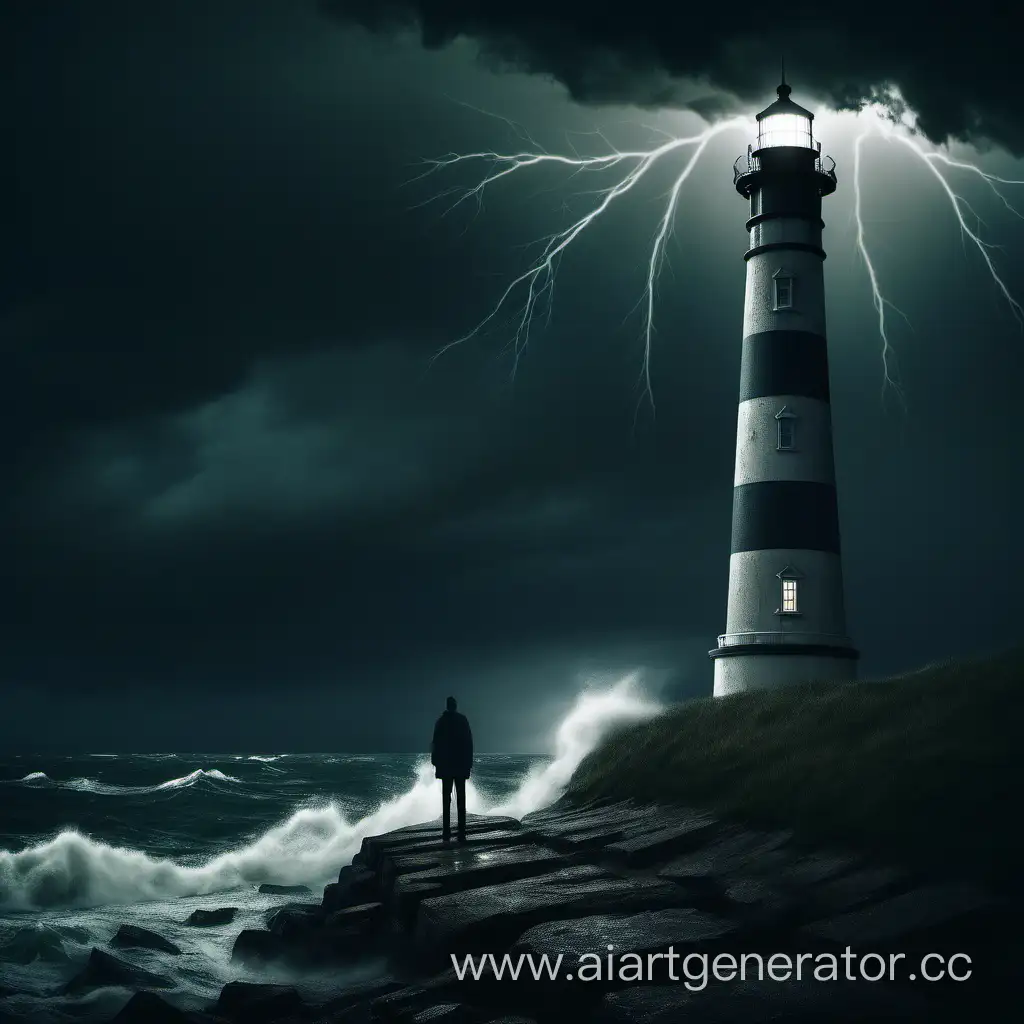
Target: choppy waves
x=74 y=870
x=42 y=780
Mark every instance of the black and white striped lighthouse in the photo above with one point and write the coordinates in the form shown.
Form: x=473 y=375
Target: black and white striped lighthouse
x=786 y=621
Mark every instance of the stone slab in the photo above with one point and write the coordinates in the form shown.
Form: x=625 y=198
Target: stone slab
x=490 y=918
x=650 y=931
x=675 y=834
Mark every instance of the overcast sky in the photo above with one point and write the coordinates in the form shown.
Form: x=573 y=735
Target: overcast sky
x=241 y=507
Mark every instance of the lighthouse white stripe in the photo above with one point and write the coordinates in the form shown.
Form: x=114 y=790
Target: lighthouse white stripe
x=808 y=312
x=758 y=458
x=755 y=593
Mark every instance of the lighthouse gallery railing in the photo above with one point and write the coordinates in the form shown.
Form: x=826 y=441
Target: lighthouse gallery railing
x=786 y=637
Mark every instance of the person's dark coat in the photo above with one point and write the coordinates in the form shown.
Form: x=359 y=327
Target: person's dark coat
x=451 y=752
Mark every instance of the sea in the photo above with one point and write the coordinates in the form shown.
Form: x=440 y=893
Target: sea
x=89 y=842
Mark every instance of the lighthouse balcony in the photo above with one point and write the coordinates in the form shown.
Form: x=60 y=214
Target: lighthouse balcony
x=786 y=637
x=746 y=171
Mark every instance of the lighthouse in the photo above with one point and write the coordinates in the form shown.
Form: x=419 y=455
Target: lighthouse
x=785 y=621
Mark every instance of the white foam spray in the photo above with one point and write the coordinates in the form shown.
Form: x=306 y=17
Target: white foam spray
x=72 y=870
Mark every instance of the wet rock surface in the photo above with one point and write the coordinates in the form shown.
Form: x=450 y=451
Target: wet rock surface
x=570 y=882
x=211 y=918
x=130 y=936
x=149 y=1008
x=35 y=942
x=103 y=969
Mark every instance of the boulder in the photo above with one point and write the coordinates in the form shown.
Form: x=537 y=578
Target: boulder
x=271 y=915
x=490 y=918
x=102 y=969
x=289 y=922
x=149 y=1008
x=130 y=936
x=248 y=1001
x=358 y=994
x=303 y=949
x=254 y=945
x=210 y=918
x=35 y=942
x=355 y=885
x=269 y=889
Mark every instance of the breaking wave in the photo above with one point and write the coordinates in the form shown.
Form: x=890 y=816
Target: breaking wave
x=41 y=779
x=73 y=870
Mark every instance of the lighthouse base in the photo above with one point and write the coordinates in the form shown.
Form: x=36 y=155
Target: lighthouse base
x=739 y=673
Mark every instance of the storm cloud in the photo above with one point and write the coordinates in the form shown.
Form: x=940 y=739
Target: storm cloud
x=957 y=69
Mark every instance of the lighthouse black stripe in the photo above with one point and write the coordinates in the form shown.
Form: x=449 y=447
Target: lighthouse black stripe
x=785 y=514
x=784 y=363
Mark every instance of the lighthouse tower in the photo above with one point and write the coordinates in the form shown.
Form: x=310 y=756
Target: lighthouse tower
x=785 y=621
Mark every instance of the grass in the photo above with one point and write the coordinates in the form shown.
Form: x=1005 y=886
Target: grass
x=921 y=769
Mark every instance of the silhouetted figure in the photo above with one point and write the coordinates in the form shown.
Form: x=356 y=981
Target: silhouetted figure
x=451 y=754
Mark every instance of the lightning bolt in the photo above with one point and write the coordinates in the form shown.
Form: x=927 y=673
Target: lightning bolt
x=536 y=283
x=931 y=159
x=881 y=303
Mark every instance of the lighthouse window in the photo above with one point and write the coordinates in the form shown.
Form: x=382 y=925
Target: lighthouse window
x=787 y=433
x=789 y=595
x=783 y=292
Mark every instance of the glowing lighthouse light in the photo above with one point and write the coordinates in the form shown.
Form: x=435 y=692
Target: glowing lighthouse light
x=785 y=123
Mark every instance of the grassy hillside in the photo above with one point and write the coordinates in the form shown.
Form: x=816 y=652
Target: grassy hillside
x=922 y=768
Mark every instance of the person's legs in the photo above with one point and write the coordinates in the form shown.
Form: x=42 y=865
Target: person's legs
x=446 y=809
x=460 y=803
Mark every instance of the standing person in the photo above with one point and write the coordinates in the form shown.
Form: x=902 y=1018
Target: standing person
x=451 y=754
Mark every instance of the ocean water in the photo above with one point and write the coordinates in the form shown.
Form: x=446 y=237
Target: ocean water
x=90 y=842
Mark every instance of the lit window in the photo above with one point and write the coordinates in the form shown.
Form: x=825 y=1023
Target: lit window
x=789 y=596
x=787 y=433
x=783 y=292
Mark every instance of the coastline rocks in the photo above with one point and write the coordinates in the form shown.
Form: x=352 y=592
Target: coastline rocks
x=130 y=936
x=247 y=1001
x=294 y=920
x=149 y=1008
x=354 y=885
x=490 y=918
x=649 y=932
x=269 y=889
x=105 y=969
x=472 y=869
x=210 y=918
x=36 y=942
x=646 y=881
x=254 y=945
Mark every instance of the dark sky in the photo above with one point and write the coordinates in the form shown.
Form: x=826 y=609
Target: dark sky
x=242 y=510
